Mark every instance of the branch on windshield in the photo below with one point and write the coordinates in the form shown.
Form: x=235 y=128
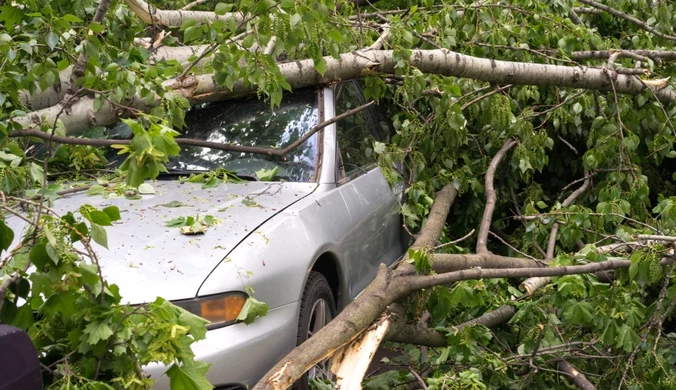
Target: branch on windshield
x=192 y=142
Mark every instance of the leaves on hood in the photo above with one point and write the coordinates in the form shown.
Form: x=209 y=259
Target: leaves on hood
x=192 y=225
x=175 y=203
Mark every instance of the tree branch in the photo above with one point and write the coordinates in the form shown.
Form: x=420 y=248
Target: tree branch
x=301 y=73
x=172 y=19
x=576 y=376
x=566 y=203
x=81 y=64
x=482 y=240
x=419 y=334
x=641 y=24
x=193 y=4
x=655 y=55
x=443 y=263
x=419 y=282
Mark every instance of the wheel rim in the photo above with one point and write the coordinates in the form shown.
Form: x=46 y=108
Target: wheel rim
x=320 y=315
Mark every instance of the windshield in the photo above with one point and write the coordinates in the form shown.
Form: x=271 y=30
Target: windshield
x=248 y=121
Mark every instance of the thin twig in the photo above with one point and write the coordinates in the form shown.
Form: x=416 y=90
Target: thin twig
x=511 y=247
x=193 y=4
x=482 y=97
x=641 y=24
x=466 y=236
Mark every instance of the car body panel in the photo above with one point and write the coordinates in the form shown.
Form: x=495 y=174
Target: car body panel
x=357 y=225
x=242 y=353
x=146 y=259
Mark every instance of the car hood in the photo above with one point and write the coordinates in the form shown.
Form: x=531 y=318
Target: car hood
x=146 y=259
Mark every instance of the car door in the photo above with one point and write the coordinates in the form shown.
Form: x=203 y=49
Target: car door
x=375 y=236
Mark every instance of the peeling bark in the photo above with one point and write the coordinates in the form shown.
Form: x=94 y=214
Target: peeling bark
x=350 y=363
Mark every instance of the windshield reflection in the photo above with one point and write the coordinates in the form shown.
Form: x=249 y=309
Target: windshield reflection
x=251 y=122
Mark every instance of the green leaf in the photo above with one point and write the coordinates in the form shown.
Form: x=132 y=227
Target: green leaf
x=294 y=20
x=320 y=65
x=577 y=108
x=252 y=309
x=146 y=189
x=627 y=338
x=113 y=213
x=38 y=255
x=174 y=204
x=6 y=236
x=71 y=18
x=52 y=39
x=176 y=222
x=336 y=35
x=191 y=33
x=97 y=28
x=211 y=182
x=222 y=8
x=99 y=235
x=196 y=323
x=24 y=317
x=189 y=376
x=97 y=331
x=267 y=174
x=578 y=312
x=99 y=218
x=10 y=15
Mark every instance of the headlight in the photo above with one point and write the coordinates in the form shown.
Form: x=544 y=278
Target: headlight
x=220 y=309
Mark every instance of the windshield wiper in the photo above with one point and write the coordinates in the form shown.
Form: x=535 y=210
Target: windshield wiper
x=175 y=173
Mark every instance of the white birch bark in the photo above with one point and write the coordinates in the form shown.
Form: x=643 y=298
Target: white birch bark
x=175 y=18
x=299 y=74
x=49 y=97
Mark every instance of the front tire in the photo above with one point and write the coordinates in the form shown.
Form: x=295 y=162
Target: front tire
x=317 y=308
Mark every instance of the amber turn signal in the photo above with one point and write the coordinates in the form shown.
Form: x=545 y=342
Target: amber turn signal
x=220 y=309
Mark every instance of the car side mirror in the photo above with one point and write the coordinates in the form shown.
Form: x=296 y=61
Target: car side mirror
x=19 y=364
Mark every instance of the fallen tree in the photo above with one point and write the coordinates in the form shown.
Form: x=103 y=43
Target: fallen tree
x=570 y=273
x=299 y=74
x=346 y=331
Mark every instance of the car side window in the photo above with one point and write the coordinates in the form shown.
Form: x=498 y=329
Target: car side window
x=356 y=133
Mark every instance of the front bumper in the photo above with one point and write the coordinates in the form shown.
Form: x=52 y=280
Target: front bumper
x=241 y=354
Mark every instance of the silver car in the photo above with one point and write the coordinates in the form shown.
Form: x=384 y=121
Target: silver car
x=306 y=243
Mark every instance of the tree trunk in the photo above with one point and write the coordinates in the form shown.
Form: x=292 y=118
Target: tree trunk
x=301 y=74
